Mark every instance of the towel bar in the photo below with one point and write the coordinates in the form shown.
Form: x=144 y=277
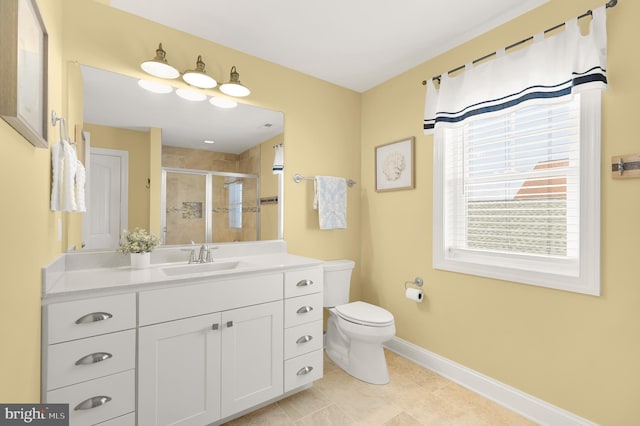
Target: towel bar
x=297 y=178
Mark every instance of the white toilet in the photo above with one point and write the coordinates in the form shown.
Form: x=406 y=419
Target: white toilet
x=355 y=331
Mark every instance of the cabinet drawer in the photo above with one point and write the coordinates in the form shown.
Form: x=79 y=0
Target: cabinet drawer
x=90 y=317
x=90 y=358
x=120 y=388
x=126 y=420
x=301 y=370
x=200 y=299
x=302 y=339
x=299 y=283
x=303 y=309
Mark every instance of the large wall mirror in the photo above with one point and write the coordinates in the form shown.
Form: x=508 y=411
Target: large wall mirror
x=187 y=170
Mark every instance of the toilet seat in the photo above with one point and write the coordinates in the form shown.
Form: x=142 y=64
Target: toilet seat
x=365 y=314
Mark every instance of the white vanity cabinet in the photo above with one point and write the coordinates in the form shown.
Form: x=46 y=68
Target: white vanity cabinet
x=143 y=347
x=179 y=372
x=303 y=327
x=89 y=358
x=196 y=367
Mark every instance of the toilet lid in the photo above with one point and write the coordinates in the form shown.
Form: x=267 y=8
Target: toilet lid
x=365 y=313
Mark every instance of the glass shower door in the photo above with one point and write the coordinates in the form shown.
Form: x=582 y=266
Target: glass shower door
x=209 y=207
x=235 y=208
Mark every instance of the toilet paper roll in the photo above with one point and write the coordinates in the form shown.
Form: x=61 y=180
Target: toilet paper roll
x=414 y=294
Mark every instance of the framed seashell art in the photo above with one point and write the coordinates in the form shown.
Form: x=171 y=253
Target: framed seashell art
x=395 y=165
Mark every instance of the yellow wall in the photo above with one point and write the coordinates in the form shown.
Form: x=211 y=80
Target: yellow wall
x=577 y=352
x=29 y=236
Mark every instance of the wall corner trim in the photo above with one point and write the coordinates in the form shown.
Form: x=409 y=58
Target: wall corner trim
x=520 y=402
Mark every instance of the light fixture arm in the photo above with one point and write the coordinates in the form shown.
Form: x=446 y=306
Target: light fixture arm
x=161 y=55
x=234 y=77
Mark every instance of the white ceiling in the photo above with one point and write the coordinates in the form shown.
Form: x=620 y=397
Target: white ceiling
x=356 y=44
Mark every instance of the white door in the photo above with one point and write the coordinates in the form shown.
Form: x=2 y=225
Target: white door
x=179 y=372
x=106 y=198
x=252 y=356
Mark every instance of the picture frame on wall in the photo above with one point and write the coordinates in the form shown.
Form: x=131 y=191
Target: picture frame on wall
x=23 y=70
x=395 y=165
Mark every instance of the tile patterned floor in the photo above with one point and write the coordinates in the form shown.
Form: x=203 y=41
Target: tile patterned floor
x=414 y=396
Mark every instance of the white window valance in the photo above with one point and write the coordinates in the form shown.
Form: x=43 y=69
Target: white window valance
x=549 y=68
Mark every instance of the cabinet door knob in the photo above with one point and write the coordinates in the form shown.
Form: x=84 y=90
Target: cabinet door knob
x=229 y=323
x=304 y=283
x=94 y=358
x=304 y=339
x=215 y=326
x=93 y=317
x=305 y=309
x=94 y=402
x=304 y=370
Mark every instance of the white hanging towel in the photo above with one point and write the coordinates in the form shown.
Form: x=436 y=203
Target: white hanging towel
x=68 y=180
x=278 y=159
x=69 y=177
x=81 y=178
x=331 y=201
x=57 y=165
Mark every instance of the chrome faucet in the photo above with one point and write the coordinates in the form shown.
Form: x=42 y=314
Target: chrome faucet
x=205 y=254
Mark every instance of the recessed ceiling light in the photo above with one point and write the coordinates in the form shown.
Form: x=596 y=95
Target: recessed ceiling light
x=209 y=141
x=155 y=87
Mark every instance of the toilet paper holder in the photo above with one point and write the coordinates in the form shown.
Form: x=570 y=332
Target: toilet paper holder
x=417 y=282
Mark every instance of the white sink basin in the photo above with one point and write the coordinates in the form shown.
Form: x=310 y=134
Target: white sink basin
x=199 y=268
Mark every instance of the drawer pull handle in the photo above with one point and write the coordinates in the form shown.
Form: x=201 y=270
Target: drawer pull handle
x=305 y=309
x=304 y=339
x=304 y=370
x=215 y=326
x=304 y=283
x=93 y=317
x=94 y=402
x=94 y=358
x=229 y=323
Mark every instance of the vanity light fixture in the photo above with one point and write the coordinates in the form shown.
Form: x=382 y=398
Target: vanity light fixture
x=158 y=66
x=234 y=87
x=155 y=87
x=199 y=77
x=191 y=95
x=223 y=102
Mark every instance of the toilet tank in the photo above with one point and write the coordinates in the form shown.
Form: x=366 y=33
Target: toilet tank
x=337 y=280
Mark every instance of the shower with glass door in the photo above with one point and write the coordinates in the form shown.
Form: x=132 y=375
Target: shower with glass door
x=209 y=207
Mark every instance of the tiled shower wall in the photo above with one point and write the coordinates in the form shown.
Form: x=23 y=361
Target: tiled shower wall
x=189 y=225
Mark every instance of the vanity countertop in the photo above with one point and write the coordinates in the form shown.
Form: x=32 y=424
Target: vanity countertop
x=68 y=278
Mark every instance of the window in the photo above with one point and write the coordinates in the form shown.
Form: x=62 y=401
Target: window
x=235 y=205
x=516 y=194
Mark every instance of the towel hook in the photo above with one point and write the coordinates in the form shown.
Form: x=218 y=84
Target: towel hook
x=64 y=134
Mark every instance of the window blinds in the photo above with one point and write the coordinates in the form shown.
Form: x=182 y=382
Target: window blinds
x=513 y=181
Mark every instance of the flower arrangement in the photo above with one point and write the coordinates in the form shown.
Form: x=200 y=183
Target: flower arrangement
x=138 y=241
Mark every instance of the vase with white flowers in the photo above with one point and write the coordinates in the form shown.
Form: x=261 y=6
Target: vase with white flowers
x=138 y=244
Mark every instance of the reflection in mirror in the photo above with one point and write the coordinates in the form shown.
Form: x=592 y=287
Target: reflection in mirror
x=209 y=206
x=158 y=131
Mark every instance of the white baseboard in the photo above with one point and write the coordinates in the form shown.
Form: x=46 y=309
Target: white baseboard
x=526 y=405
